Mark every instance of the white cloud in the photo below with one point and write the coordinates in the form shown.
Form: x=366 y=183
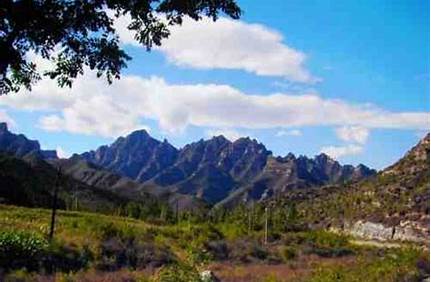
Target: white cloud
x=230 y=134
x=228 y=44
x=61 y=153
x=98 y=115
x=94 y=107
x=340 y=151
x=4 y=117
x=358 y=134
x=293 y=132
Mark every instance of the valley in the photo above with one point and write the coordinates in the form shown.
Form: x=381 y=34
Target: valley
x=142 y=210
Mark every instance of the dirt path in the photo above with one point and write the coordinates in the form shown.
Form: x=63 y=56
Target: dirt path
x=374 y=243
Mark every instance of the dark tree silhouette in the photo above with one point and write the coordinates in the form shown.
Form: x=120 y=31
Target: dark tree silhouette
x=84 y=33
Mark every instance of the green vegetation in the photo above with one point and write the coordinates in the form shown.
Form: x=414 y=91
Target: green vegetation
x=89 y=245
x=396 y=265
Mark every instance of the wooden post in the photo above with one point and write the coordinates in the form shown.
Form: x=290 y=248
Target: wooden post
x=266 y=225
x=177 y=217
x=76 y=203
x=249 y=221
x=54 y=204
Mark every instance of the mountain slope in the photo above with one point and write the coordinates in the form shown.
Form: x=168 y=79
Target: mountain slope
x=28 y=173
x=395 y=200
x=217 y=169
x=18 y=145
x=31 y=183
x=282 y=175
x=211 y=169
x=95 y=176
x=138 y=156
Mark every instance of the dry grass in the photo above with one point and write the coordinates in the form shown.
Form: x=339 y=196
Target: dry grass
x=298 y=270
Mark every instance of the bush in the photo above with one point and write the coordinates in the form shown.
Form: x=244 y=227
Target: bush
x=117 y=253
x=20 y=249
x=288 y=253
x=259 y=252
x=23 y=250
x=326 y=244
x=178 y=273
x=65 y=258
x=330 y=252
x=395 y=265
x=326 y=239
x=247 y=251
x=218 y=249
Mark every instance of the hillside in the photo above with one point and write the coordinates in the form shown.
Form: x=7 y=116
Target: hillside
x=394 y=204
x=31 y=183
x=93 y=175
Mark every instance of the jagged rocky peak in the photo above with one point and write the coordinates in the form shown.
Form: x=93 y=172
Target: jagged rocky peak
x=20 y=146
x=137 y=155
x=324 y=158
x=215 y=167
x=220 y=138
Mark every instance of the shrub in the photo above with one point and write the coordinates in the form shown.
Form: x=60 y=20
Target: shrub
x=65 y=258
x=246 y=251
x=20 y=249
x=288 y=253
x=395 y=265
x=178 y=273
x=117 y=253
x=259 y=252
x=218 y=249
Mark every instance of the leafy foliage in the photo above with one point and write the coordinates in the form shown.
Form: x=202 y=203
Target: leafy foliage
x=21 y=249
x=78 y=34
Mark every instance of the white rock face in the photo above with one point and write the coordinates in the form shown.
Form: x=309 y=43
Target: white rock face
x=405 y=231
x=370 y=230
x=410 y=231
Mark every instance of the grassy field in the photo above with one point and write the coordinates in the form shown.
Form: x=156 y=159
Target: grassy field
x=95 y=247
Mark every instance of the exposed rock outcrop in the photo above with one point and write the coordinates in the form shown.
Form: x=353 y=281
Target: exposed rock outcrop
x=406 y=231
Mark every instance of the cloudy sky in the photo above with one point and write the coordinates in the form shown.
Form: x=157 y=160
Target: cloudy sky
x=348 y=79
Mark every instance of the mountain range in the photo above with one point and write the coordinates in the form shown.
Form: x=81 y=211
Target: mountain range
x=211 y=171
x=390 y=204
x=217 y=168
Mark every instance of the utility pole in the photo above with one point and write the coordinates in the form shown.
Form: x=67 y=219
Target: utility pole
x=249 y=220
x=266 y=225
x=54 y=204
x=176 y=212
x=250 y=217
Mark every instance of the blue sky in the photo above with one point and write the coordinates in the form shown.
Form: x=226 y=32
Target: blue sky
x=367 y=57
